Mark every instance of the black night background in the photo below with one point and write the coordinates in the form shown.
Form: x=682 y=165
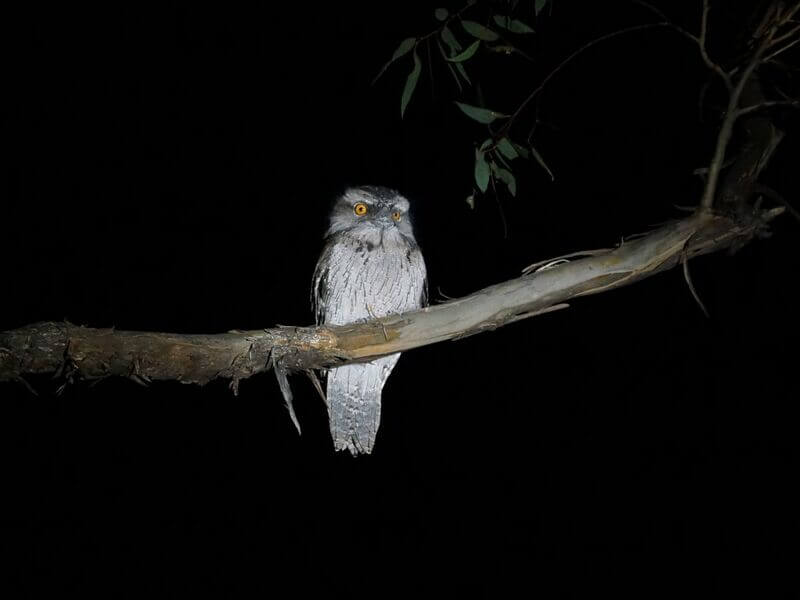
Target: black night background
x=171 y=168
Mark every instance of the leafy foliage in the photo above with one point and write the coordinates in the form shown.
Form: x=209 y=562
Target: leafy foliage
x=493 y=28
x=479 y=31
x=512 y=25
x=507 y=149
x=481 y=171
x=411 y=84
x=404 y=48
x=466 y=54
x=481 y=115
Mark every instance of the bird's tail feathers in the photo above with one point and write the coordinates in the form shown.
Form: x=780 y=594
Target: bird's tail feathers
x=354 y=404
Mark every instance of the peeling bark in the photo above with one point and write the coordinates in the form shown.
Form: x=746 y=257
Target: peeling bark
x=86 y=353
x=724 y=219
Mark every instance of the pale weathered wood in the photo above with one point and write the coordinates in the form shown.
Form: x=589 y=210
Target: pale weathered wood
x=82 y=352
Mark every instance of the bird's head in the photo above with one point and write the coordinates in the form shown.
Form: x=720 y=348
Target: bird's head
x=369 y=209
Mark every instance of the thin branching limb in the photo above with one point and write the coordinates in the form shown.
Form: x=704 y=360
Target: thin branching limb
x=510 y=121
x=772 y=56
x=768 y=192
x=726 y=131
x=699 y=40
x=789 y=34
x=701 y=44
x=768 y=104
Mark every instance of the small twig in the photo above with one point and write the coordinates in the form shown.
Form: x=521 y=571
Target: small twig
x=792 y=210
x=443 y=295
x=781 y=50
x=726 y=131
x=531 y=268
x=769 y=104
x=452 y=17
x=688 y=279
x=701 y=43
x=792 y=12
x=26 y=385
x=283 y=384
x=569 y=59
x=786 y=35
x=703 y=25
x=773 y=195
x=535 y=313
x=430 y=70
x=701 y=98
x=312 y=375
x=499 y=207
x=699 y=40
x=765 y=20
x=652 y=9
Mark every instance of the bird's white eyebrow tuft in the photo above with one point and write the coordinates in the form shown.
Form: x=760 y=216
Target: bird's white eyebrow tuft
x=402 y=204
x=352 y=196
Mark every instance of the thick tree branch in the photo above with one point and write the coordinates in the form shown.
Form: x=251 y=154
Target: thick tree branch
x=75 y=352
x=81 y=352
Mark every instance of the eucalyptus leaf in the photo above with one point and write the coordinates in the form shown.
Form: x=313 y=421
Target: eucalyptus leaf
x=511 y=182
x=486 y=143
x=471 y=201
x=502 y=21
x=404 y=48
x=507 y=149
x=500 y=157
x=506 y=177
x=449 y=38
x=466 y=54
x=518 y=26
x=450 y=67
x=455 y=76
x=454 y=68
x=441 y=14
x=481 y=171
x=538 y=5
x=541 y=162
x=512 y=25
x=481 y=115
x=479 y=31
x=460 y=68
x=411 y=83
x=442 y=50
x=522 y=151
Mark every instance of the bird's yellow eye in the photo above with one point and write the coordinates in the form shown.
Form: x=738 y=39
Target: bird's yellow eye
x=397 y=216
x=360 y=209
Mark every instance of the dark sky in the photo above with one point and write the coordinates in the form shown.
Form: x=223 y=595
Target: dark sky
x=170 y=169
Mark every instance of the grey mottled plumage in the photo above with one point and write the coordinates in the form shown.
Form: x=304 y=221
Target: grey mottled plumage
x=370 y=267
